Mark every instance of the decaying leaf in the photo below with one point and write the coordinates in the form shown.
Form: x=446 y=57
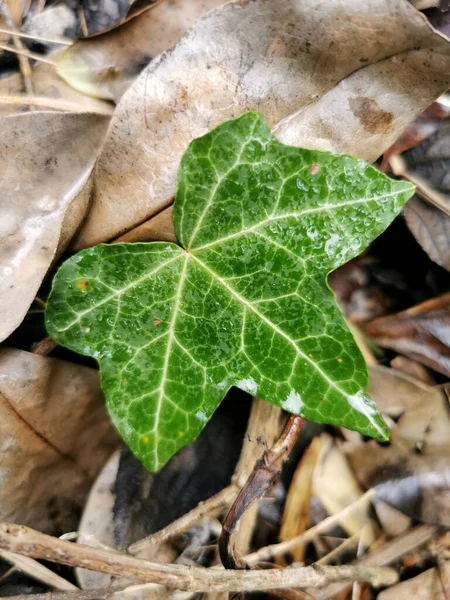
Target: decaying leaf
x=46 y=162
x=54 y=436
x=347 y=77
x=243 y=302
x=411 y=473
x=421 y=333
x=105 y=65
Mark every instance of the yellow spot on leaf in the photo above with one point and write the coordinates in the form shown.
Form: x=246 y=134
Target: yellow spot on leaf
x=145 y=439
x=83 y=285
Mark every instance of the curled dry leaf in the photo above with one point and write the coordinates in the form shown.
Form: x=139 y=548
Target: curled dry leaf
x=54 y=436
x=411 y=473
x=421 y=333
x=280 y=59
x=46 y=162
x=105 y=65
x=431 y=228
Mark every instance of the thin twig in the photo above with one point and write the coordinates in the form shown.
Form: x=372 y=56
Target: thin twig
x=98 y=594
x=64 y=105
x=23 y=540
x=290 y=595
x=386 y=554
x=19 y=49
x=269 y=552
x=265 y=473
x=347 y=544
x=204 y=509
x=27 y=53
x=35 y=38
x=44 y=347
x=37 y=571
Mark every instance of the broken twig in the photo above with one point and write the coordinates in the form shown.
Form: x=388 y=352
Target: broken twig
x=264 y=474
x=29 y=542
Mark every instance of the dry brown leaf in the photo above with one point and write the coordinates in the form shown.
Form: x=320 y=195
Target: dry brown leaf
x=55 y=434
x=46 y=159
x=158 y=228
x=104 y=66
x=411 y=473
x=422 y=333
x=347 y=76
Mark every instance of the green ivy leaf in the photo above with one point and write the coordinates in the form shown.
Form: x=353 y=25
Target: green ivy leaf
x=244 y=300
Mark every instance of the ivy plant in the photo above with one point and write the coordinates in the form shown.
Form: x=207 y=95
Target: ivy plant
x=242 y=301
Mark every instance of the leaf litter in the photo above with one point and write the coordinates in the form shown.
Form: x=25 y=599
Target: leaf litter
x=324 y=100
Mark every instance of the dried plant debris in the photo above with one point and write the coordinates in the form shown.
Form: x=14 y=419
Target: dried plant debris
x=411 y=473
x=364 y=78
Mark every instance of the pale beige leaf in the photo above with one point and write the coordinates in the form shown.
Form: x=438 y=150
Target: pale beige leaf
x=334 y=484
x=105 y=65
x=339 y=74
x=46 y=159
x=425 y=586
x=55 y=435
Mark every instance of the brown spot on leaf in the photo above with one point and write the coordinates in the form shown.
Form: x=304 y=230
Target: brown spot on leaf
x=315 y=168
x=83 y=285
x=372 y=117
x=156 y=322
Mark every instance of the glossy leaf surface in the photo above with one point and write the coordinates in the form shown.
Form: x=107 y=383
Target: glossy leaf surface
x=244 y=300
